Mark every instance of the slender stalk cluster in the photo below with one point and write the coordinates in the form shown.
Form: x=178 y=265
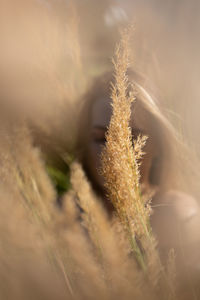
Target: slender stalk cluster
x=120 y=161
x=121 y=169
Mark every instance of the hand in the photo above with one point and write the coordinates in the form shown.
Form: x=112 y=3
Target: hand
x=176 y=224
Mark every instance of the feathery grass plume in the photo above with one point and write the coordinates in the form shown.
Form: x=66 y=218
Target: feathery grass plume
x=40 y=198
x=84 y=272
x=23 y=173
x=25 y=272
x=120 y=271
x=120 y=167
x=25 y=177
x=33 y=182
x=93 y=214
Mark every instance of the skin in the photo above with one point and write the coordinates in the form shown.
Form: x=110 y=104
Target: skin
x=176 y=215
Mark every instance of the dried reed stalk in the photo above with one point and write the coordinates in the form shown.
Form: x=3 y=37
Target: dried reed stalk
x=120 y=271
x=120 y=167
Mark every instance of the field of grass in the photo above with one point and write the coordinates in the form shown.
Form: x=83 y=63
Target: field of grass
x=57 y=239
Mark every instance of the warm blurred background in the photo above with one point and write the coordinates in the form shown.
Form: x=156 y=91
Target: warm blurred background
x=51 y=49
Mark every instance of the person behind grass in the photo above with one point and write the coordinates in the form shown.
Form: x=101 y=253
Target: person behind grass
x=165 y=169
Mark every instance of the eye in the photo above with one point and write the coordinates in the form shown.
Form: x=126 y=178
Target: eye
x=135 y=133
x=98 y=135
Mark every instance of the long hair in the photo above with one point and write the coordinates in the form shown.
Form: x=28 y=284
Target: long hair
x=176 y=166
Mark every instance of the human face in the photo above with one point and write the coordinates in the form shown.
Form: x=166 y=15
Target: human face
x=141 y=123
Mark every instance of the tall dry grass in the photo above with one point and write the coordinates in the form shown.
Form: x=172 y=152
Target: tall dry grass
x=120 y=168
x=51 y=254
x=79 y=252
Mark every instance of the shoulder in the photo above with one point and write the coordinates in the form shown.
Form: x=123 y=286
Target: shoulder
x=176 y=224
x=180 y=204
